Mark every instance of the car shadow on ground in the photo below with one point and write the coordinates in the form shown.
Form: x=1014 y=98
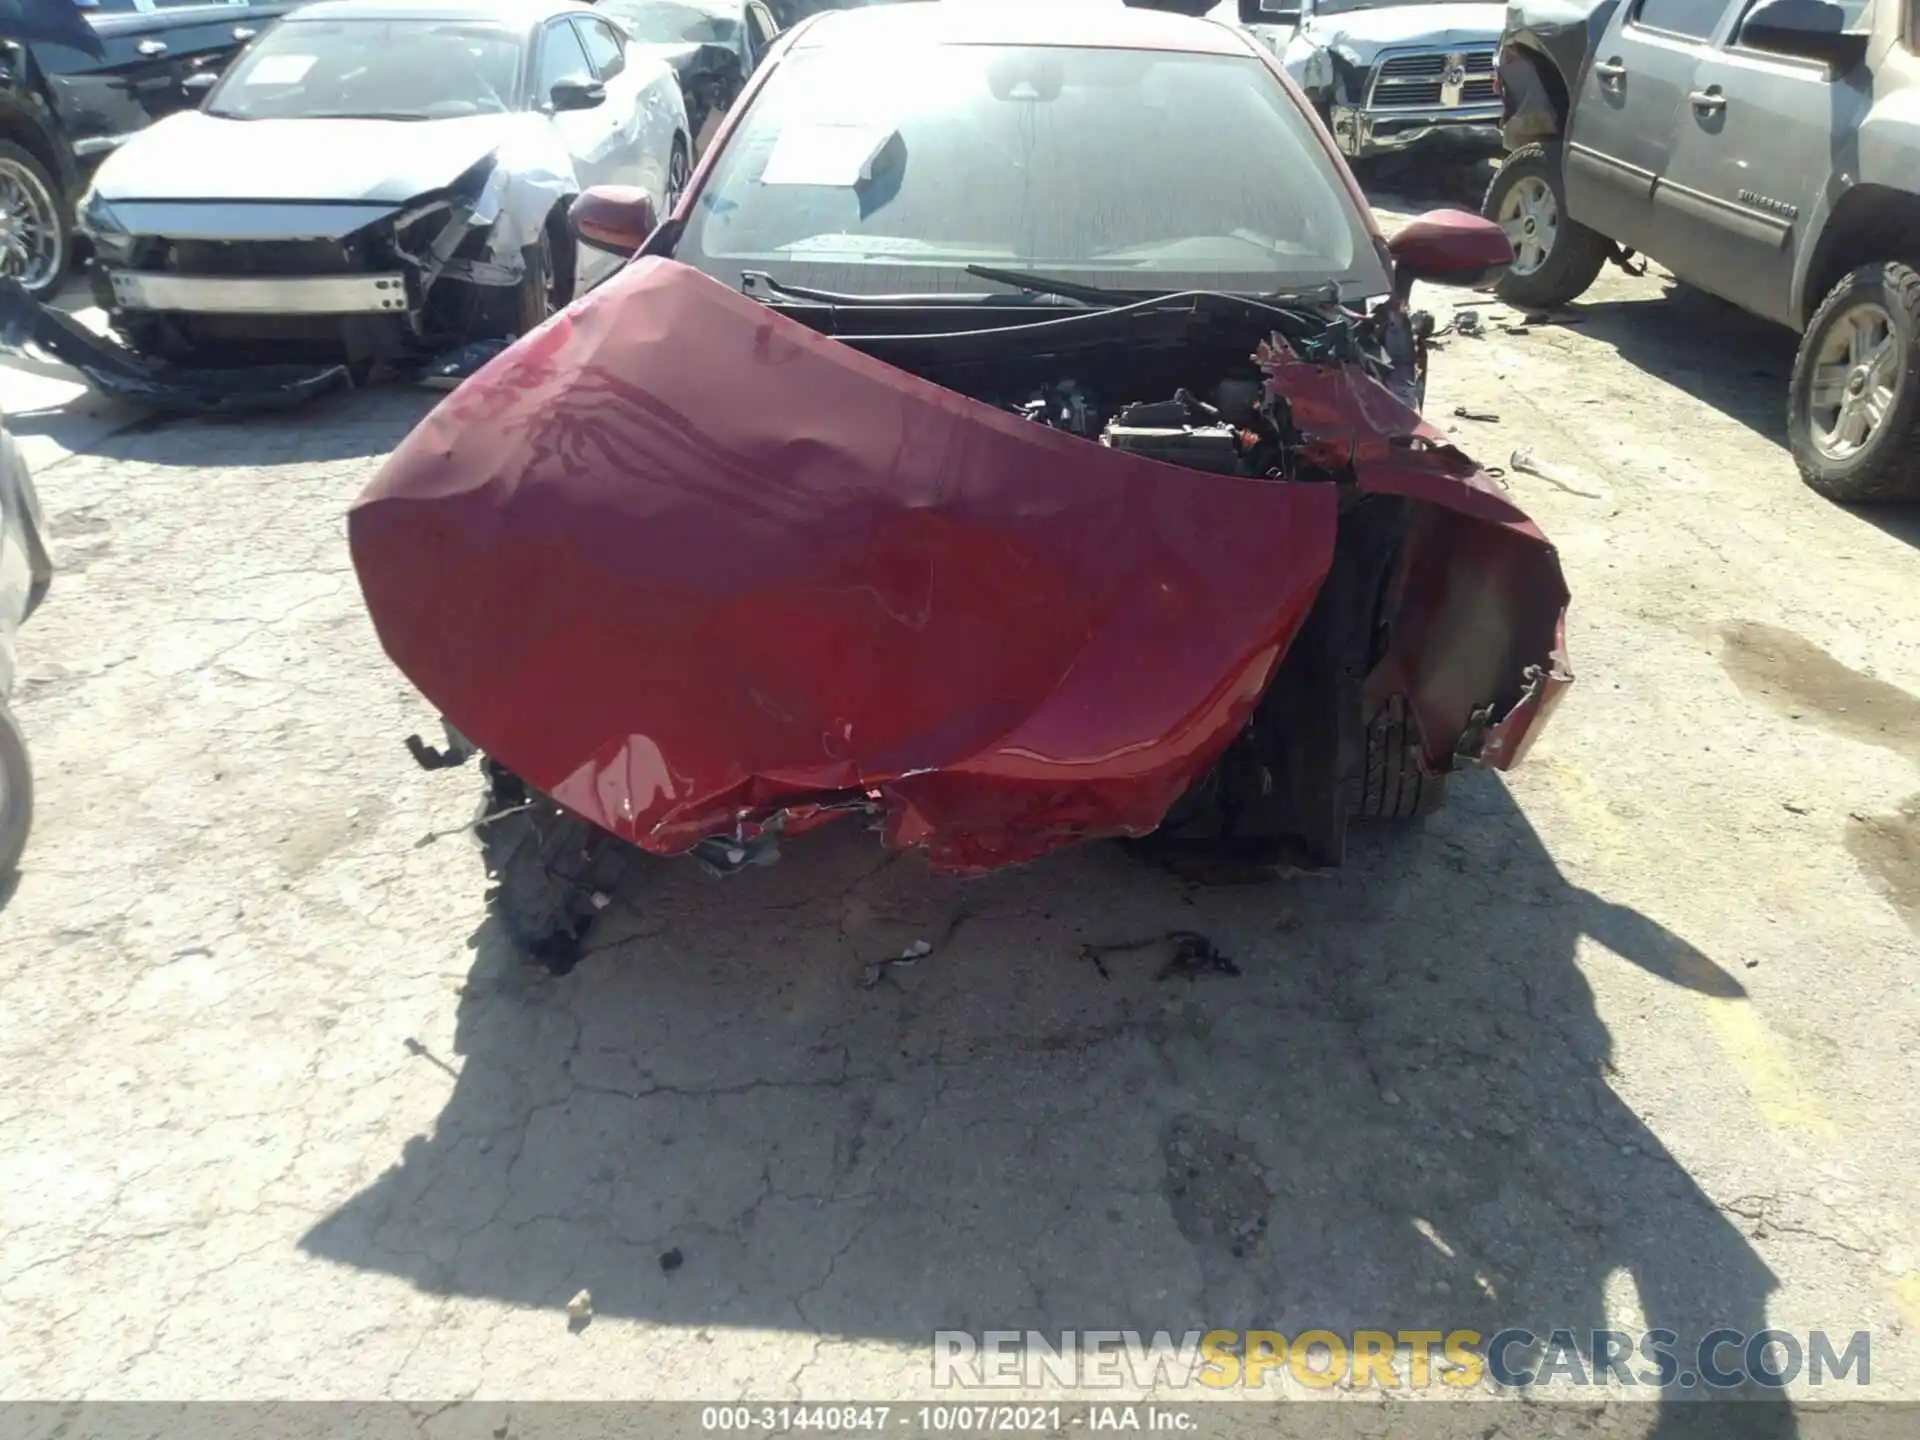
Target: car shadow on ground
x=1397 y=1115
x=1728 y=360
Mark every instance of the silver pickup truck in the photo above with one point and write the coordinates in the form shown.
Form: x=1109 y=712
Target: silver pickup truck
x=1765 y=151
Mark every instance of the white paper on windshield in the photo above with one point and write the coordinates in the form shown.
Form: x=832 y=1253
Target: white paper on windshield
x=280 y=69
x=825 y=154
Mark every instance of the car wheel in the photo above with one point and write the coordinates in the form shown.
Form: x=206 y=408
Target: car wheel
x=679 y=171
x=1555 y=258
x=540 y=282
x=1392 y=784
x=1856 y=380
x=16 y=793
x=35 y=245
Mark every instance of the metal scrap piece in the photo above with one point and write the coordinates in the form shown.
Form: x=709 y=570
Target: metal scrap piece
x=1526 y=463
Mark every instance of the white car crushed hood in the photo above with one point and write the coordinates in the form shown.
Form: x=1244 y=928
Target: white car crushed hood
x=194 y=156
x=1358 y=36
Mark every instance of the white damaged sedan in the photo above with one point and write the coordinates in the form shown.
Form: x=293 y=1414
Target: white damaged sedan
x=381 y=176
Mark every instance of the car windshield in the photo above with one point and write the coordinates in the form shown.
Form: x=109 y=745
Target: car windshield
x=668 y=24
x=372 y=69
x=880 y=170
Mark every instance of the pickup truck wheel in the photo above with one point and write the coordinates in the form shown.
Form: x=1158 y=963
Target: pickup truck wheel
x=1851 y=417
x=1555 y=258
x=16 y=793
x=35 y=247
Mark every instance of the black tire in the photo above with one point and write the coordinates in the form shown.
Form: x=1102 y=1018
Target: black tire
x=1886 y=466
x=43 y=205
x=1574 y=256
x=543 y=283
x=16 y=793
x=679 y=171
x=552 y=872
x=1390 y=783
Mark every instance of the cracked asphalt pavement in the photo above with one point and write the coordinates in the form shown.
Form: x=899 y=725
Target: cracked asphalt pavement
x=1626 y=1039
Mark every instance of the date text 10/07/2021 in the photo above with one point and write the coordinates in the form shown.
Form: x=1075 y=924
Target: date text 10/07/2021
x=943 y=1419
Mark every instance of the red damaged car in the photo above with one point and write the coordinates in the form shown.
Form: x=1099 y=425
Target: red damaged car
x=1011 y=437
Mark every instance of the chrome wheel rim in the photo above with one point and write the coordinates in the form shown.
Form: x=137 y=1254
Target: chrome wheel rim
x=678 y=168
x=30 y=239
x=1531 y=217
x=1855 y=375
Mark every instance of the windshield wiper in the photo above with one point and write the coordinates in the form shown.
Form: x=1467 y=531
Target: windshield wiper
x=753 y=282
x=1046 y=285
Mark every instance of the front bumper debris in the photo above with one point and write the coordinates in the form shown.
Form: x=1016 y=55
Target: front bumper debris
x=115 y=370
x=384 y=294
x=1360 y=133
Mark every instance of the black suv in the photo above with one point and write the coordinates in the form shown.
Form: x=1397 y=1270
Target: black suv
x=76 y=78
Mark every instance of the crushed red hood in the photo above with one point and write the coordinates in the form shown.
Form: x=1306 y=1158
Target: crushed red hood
x=685 y=564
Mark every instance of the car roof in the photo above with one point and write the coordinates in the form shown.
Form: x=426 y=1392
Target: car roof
x=1092 y=24
x=518 y=14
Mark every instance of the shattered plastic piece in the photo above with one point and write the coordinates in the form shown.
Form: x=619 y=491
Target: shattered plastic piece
x=1469 y=323
x=870 y=976
x=26 y=325
x=428 y=758
x=580 y=1308
x=1485 y=416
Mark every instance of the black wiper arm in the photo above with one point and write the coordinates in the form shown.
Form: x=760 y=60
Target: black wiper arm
x=1046 y=285
x=754 y=281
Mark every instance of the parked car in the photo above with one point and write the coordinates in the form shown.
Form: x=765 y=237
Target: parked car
x=1009 y=438
x=712 y=45
x=75 y=84
x=1390 y=77
x=25 y=573
x=383 y=176
x=1762 y=153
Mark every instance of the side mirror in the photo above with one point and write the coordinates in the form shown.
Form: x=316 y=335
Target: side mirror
x=577 y=92
x=1808 y=29
x=614 y=218
x=1449 y=247
x=1272 y=12
x=199 y=83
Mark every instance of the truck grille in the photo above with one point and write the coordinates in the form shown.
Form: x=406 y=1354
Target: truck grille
x=1421 y=80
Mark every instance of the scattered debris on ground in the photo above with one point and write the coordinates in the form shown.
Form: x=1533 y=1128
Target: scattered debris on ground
x=672 y=1260
x=1487 y=417
x=912 y=955
x=1191 y=954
